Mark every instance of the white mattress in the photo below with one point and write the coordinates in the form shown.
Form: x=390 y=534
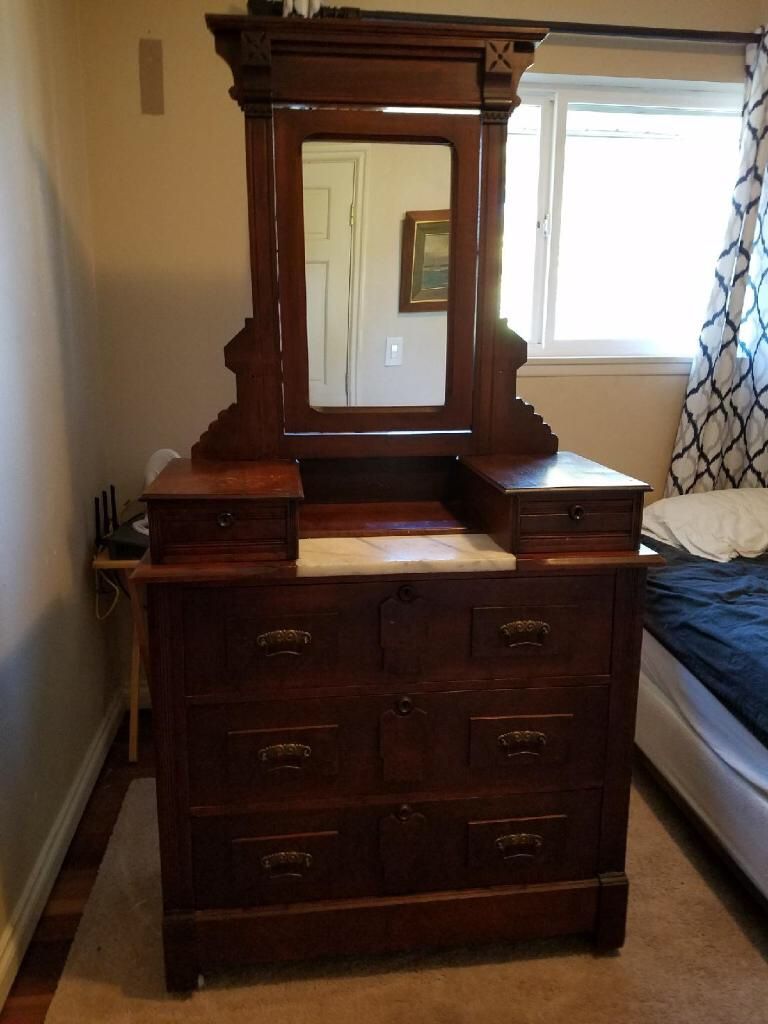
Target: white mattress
x=710 y=758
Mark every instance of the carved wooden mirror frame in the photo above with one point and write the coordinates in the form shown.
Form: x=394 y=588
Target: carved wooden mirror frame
x=342 y=71
x=462 y=135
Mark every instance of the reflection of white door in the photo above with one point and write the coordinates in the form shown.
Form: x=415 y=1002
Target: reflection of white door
x=329 y=202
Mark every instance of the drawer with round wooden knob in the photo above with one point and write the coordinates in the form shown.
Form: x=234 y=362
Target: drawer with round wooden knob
x=577 y=522
x=234 y=530
x=219 y=511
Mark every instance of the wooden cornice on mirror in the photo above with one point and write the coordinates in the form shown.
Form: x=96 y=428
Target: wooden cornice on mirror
x=330 y=66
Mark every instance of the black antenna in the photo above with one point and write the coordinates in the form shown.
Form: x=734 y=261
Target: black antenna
x=104 y=513
x=113 y=505
x=97 y=518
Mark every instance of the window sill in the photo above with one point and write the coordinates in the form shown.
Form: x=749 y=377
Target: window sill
x=606 y=366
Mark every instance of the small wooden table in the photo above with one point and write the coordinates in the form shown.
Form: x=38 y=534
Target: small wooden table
x=124 y=567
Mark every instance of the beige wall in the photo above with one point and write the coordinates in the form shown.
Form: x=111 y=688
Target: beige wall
x=739 y=15
x=626 y=422
x=391 y=178
x=170 y=213
x=629 y=58
x=170 y=219
x=52 y=666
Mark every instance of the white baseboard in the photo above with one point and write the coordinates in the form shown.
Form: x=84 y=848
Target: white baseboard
x=18 y=932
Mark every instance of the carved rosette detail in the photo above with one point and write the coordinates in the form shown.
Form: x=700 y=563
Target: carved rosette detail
x=253 y=72
x=255 y=50
x=499 y=56
x=505 y=61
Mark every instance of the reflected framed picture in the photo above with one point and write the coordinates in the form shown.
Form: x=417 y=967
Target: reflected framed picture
x=425 y=261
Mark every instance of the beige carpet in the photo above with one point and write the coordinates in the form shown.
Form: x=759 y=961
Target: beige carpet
x=696 y=954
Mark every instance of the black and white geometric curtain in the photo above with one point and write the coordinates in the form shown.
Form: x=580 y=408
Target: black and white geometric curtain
x=722 y=440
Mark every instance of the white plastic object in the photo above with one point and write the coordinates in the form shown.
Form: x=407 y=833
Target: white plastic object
x=304 y=8
x=157 y=462
x=394 y=352
x=141 y=525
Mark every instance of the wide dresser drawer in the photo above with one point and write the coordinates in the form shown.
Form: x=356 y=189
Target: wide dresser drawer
x=304 y=635
x=522 y=740
x=279 y=857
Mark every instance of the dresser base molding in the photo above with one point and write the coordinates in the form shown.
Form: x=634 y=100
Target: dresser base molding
x=611 y=926
x=211 y=940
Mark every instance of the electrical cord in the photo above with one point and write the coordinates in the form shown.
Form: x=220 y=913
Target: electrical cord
x=102 y=575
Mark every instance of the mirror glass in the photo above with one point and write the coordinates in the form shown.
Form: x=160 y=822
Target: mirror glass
x=376 y=243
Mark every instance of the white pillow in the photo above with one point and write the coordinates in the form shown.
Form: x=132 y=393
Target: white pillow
x=719 y=525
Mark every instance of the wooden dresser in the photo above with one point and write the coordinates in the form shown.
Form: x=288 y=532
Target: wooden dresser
x=417 y=732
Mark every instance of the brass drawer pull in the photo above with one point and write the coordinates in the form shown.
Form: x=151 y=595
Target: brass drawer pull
x=520 y=846
x=522 y=741
x=225 y=520
x=280 y=756
x=577 y=513
x=287 y=864
x=283 y=641
x=525 y=633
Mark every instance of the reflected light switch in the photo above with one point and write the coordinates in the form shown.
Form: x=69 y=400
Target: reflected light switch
x=394 y=354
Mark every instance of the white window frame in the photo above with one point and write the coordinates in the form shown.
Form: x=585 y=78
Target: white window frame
x=553 y=93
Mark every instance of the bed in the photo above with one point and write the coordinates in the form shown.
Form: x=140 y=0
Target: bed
x=703 y=702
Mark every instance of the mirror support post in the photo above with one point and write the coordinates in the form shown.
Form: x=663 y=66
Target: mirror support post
x=502 y=419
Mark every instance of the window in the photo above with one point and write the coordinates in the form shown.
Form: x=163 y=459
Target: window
x=617 y=202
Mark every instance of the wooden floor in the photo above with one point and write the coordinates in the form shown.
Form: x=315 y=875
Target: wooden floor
x=36 y=981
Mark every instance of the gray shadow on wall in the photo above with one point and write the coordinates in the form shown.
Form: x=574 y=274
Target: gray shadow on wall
x=54 y=677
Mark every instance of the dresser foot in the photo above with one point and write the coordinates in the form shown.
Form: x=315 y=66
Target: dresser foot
x=182 y=971
x=610 y=929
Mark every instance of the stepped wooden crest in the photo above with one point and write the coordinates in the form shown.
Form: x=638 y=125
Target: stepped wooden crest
x=340 y=72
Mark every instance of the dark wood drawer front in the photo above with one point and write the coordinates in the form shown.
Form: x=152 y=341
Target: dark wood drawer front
x=273 y=755
x=280 y=858
x=542 y=640
x=508 y=744
x=279 y=869
x=520 y=848
x=523 y=740
x=501 y=841
x=192 y=531
x=395 y=848
x=268 y=639
x=578 y=523
x=298 y=648
x=288 y=637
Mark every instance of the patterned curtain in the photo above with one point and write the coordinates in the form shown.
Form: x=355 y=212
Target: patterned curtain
x=722 y=440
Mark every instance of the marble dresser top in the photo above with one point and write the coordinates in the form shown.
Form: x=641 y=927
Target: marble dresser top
x=364 y=556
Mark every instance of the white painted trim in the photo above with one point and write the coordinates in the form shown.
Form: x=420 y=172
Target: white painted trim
x=607 y=366
x=18 y=932
x=562 y=90
x=677 y=92
x=358 y=154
